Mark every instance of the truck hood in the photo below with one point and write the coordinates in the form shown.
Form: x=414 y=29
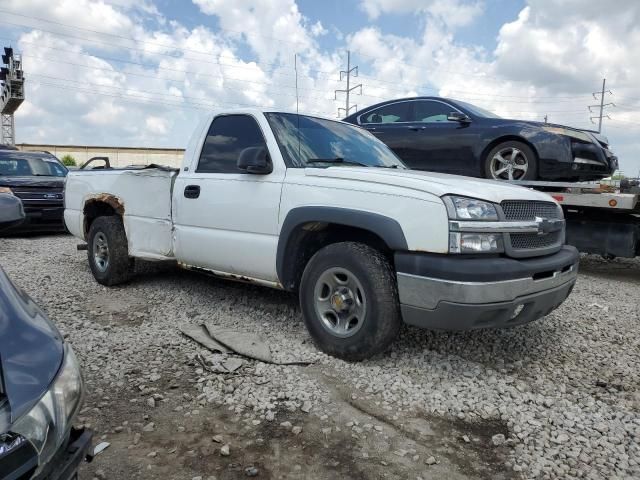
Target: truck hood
x=31 y=348
x=44 y=181
x=438 y=184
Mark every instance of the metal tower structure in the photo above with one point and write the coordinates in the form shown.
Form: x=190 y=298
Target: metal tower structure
x=348 y=73
x=11 y=94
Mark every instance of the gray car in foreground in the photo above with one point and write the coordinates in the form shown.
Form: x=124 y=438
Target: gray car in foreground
x=41 y=386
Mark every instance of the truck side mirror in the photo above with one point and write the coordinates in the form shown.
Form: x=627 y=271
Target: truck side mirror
x=255 y=160
x=458 y=117
x=11 y=211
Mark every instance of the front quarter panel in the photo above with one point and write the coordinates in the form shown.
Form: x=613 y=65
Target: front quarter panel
x=422 y=216
x=548 y=146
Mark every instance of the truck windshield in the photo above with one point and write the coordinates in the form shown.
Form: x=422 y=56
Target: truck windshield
x=310 y=141
x=17 y=164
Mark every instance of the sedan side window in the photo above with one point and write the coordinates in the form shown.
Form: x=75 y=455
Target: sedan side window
x=393 y=113
x=427 y=111
x=227 y=137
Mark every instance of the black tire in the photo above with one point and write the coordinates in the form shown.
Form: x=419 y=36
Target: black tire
x=119 y=267
x=526 y=153
x=381 y=320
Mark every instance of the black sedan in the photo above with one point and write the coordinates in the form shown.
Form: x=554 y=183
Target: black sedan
x=450 y=136
x=41 y=389
x=37 y=178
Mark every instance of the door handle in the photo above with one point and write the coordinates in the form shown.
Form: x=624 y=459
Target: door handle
x=373 y=129
x=417 y=129
x=192 y=191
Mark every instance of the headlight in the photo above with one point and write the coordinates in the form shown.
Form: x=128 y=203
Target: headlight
x=475 y=242
x=6 y=190
x=463 y=208
x=47 y=424
x=582 y=136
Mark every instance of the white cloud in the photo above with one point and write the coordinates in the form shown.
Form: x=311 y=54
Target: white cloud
x=317 y=29
x=451 y=12
x=157 y=125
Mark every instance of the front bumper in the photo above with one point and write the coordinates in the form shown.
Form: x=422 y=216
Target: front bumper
x=446 y=292
x=575 y=160
x=65 y=463
x=50 y=219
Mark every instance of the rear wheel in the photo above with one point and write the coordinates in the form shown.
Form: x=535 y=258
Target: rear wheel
x=108 y=252
x=349 y=301
x=511 y=161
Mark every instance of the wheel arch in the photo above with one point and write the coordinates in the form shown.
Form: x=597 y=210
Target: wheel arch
x=100 y=205
x=307 y=229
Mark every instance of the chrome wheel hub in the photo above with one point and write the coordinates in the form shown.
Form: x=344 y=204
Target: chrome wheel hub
x=100 y=252
x=509 y=163
x=340 y=302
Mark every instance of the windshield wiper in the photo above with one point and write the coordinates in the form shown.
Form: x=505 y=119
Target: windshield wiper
x=336 y=160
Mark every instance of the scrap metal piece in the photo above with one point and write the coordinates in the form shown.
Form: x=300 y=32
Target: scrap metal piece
x=248 y=345
x=101 y=447
x=200 y=334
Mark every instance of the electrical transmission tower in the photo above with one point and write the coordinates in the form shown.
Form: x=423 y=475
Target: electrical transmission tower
x=350 y=71
x=11 y=94
x=601 y=106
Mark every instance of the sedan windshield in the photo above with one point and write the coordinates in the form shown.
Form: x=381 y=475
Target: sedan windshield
x=17 y=164
x=310 y=141
x=477 y=111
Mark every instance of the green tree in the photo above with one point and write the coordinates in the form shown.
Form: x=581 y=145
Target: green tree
x=68 y=161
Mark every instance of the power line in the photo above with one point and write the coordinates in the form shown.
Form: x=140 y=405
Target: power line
x=225 y=77
x=126 y=38
x=153 y=101
x=244 y=66
x=147 y=52
x=99 y=85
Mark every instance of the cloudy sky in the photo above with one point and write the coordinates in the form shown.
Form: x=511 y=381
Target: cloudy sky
x=140 y=72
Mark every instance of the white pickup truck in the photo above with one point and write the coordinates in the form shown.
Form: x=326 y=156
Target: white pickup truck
x=324 y=209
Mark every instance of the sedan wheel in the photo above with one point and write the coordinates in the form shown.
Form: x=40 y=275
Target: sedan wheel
x=509 y=163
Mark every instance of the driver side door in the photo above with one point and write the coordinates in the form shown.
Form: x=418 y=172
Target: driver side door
x=226 y=219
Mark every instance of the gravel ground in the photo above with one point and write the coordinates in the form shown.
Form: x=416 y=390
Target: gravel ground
x=559 y=398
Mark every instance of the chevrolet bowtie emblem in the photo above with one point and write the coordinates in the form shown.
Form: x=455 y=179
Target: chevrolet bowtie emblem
x=546 y=225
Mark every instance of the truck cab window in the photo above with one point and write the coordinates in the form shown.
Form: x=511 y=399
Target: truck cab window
x=226 y=138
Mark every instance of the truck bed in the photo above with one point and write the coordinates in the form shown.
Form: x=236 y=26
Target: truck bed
x=142 y=194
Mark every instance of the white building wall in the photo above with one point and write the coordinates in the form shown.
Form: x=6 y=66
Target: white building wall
x=118 y=156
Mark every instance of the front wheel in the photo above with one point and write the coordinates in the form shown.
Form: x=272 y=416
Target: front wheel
x=349 y=301
x=511 y=161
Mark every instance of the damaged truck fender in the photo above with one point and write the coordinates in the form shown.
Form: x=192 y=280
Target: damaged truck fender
x=304 y=226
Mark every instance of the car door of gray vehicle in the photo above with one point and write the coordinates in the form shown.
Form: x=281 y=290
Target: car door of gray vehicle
x=390 y=124
x=436 y=144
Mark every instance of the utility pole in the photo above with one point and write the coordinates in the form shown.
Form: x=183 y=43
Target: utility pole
x=347 y=73
x=546 y=118
x=602 y=105
x=11 y=94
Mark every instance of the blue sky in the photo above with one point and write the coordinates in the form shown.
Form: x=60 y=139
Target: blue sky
x=140 y=72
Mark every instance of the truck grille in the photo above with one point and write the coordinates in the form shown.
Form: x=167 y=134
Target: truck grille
x=531 y=244
x=529 y=210
x=528 y=241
